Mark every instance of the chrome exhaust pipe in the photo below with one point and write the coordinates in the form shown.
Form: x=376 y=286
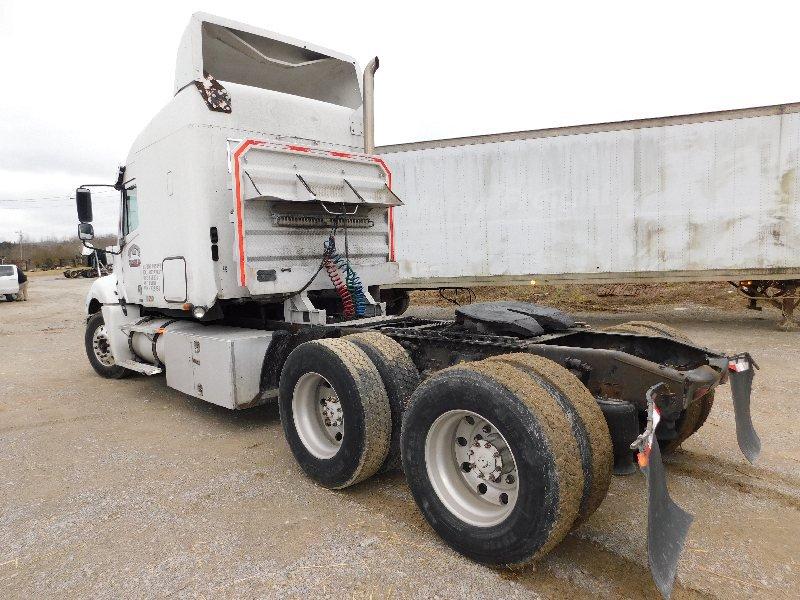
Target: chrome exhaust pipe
x=369 y=105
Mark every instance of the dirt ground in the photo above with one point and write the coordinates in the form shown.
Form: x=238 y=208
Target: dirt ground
x=129 y=489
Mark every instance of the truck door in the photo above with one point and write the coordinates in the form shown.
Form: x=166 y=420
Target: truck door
x=131 y=276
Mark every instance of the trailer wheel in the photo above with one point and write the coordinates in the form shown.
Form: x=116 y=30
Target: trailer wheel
x=98 y=349
x=492 y=462
x=589 y=426
x=696 y=414
x=400 y=378
x=335 y=412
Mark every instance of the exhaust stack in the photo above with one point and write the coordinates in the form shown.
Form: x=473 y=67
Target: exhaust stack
x=369 y=105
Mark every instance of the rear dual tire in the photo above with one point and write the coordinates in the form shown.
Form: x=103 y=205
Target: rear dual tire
x=400 y=378
x=531 y=438
x=589 y=427
x=335 y=412
x=694 y=416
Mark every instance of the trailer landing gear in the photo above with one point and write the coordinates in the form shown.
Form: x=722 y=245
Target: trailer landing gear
x=782 y=294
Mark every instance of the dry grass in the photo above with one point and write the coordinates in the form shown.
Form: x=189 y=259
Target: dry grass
x=618 y=297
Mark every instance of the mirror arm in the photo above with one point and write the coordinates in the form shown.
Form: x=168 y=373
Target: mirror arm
x=88 y=185
x=100 y=249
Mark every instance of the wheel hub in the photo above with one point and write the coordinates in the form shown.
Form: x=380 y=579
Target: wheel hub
x=471 y=467
x=331 y=410
x=101 y=347
x=485 y=460
x=318 y=415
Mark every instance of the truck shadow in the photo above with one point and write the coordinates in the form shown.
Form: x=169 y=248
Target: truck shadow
x=576 y=565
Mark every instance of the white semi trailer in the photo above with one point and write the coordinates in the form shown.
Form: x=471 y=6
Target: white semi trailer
x=257 y=229
x=704 y=197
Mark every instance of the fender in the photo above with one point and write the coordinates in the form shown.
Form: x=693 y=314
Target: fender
x=103 y=291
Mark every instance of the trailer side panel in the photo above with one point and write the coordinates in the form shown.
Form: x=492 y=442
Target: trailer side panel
x=665 y=199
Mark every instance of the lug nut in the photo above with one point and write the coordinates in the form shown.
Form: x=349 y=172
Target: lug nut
x=509 y=479
x=487 y=429
x=466 y=467
x=470 y=420
x=504 y=498
x=482 y=488
x=462 y=441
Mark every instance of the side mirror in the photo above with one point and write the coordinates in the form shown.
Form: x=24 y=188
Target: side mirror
x=85 y=230
x=83 y=199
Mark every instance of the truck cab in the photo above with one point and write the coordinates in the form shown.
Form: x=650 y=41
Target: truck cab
x=231 y=192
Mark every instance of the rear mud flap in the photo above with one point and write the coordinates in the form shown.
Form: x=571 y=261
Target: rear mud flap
x=667 y=523
x=741 y=372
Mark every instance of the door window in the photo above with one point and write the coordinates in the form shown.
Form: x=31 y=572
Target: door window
x=130 y=214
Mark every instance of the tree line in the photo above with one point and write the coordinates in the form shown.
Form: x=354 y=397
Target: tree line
x=49 y=253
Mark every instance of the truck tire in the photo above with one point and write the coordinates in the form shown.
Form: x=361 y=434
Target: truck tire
x=649 y=328
x=335 y=412
x=9 y=297
x=491 y=462
x=400 y=378
x=589 y=426
x=98 y=349
x=397 y=301
x=696 y=414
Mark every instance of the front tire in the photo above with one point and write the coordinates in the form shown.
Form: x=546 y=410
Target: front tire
x=10 y=297
x=507 y=502
x=98 y=349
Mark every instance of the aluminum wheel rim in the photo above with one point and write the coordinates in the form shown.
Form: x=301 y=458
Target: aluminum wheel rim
x=485 y=493
x=101 y=347
x=318 y=415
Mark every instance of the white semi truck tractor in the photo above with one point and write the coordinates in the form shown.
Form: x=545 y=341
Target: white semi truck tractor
x=256 y=231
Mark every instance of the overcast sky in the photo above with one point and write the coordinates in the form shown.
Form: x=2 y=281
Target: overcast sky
x=81 y=79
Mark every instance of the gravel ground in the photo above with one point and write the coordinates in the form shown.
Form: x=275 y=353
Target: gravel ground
x=129 y=489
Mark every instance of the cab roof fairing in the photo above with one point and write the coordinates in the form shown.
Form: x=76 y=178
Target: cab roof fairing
x=237 y=48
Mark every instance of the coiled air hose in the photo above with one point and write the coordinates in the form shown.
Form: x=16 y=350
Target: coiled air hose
x=353 y=283
x=331 y=261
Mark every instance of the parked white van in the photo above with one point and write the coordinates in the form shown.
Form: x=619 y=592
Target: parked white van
x=8 y=282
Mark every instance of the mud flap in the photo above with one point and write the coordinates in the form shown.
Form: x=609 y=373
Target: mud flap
x=667 y=523
x=741 y=372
